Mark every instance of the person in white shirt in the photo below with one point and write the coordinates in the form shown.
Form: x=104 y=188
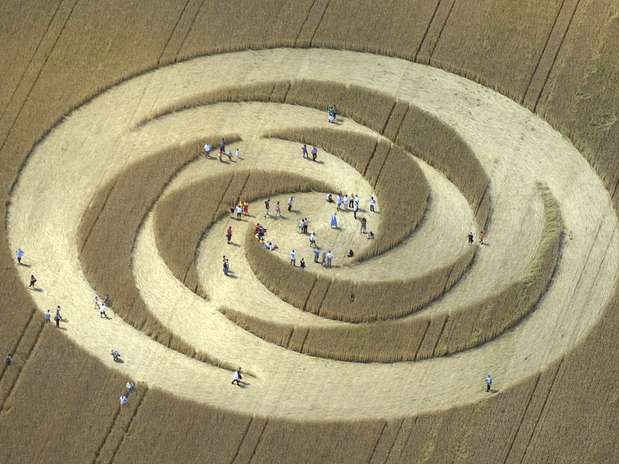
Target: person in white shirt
x=488 y=382
x=329 y=259
x=123 y=400
x=103 y=310
x=372 y=204
x=290 y=200
x=238 y=153
x=19 y=254
x=130 y=387
x=237 y=377
x=293 y=257
x=207 y=150
x=312 y=239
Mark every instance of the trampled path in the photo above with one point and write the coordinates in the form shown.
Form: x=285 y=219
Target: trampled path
x=516 y=149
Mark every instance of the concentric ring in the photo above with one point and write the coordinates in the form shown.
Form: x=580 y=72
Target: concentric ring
x=110 y=168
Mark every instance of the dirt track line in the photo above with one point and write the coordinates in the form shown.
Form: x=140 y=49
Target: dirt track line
x=107 y=434
x=425 y=332
x=8 y=104
x=440 y=335
x=253 y=453
x=238 y=449
x=556 y=54
x=397 y=435
x=365 y=170
x=524 y=414
x=438 y=38
x=23 y=331
x=324 y=296
x=541 y=412
x=382 y=132
x=36 y=79
x=541 y=55
x=425 y=34
x=307 y=331
x=135 y=412
x=94 y=223
x=165 y=47
x=15 y=382
x=397 y=132
x=319 y=21
x=380 y=171
x=304 y=308
x=193 y=21
x=380 y=435
x=309 y=10
x=615 y=189
x=408 y=437
x=481 y=200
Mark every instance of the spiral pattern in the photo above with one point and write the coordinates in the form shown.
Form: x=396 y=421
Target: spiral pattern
x=130 y=207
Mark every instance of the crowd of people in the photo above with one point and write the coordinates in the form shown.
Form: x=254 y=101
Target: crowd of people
x=344 y=202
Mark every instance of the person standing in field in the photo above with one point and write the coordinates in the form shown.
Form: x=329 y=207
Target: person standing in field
x=278 y=210
x=302 y=264
x=229 y=234
x=471 y=238
x=222 y=148
x=338 y=200
x=488 y=382
x=482 y=237
x=33 y=281
x=103 y=311
x=334 y=221
x=314 y=153
x=267 y=207
x=372 y=204
x=58 y=316
x=115 y=355
x=19 y=254
x=305 y=225
x=364 y=224
x=226 y=264
x=9 y=359
x=329 y=259
x=293 y=257
x=304 y=151
x=130 y=387
x=312 y=240
x=238 y=153
x=47 y=317
x=345 y=202
x=355 y=209
x=290 y=200
x=317 y=255
x=237 y=377
x=123 y=400
x=207 y=150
